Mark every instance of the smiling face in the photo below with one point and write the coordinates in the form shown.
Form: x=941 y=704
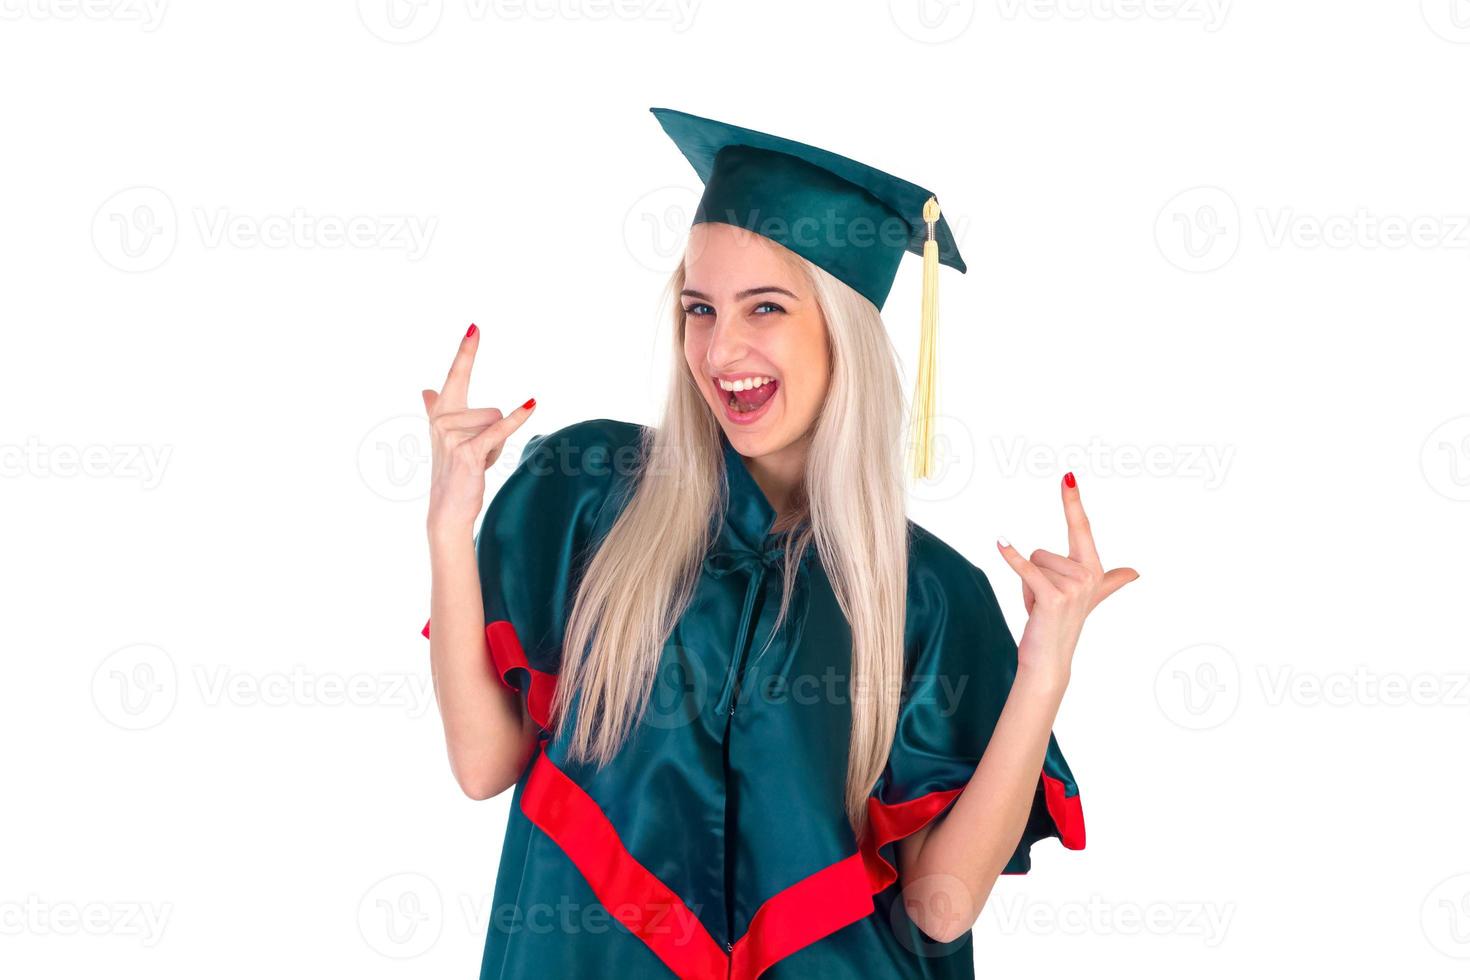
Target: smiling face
x=754 y=337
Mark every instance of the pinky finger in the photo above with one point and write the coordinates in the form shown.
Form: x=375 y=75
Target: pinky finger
x=496 y=434
x=1031 y=576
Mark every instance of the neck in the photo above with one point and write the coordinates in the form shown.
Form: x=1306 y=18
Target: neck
x=779 y=475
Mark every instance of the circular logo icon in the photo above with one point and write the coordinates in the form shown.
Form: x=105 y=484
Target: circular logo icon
x=1445 y=459
x=1445 y=917
x=136 y=687
x=953 y=463
x=135 y=230
x=680 y=689
x=393 y=459
x=400 y=21
x=932 y=21
x=1450 y=19
x=922 y=900
x=401 y=916
x=1199 y=229
x=656 y=227
x=1199 y=687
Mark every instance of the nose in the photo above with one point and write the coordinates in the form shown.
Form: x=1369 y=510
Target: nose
x=728 y=342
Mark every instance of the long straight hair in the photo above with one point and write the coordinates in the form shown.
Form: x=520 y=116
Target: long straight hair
x=851 y=504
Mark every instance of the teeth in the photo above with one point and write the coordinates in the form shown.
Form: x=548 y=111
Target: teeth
x=744 y=384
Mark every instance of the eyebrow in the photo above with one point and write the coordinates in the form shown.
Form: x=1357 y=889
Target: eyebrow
x=744 y=293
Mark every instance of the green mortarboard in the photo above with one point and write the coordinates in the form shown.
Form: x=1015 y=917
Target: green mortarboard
x=846 y=217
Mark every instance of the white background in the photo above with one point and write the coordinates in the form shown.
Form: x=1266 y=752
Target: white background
x=1218 y=262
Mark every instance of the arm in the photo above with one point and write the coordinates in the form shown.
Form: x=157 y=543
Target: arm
x=488 y=736
x=950 y=867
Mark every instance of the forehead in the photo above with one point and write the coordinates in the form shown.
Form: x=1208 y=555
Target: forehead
x=721 y=257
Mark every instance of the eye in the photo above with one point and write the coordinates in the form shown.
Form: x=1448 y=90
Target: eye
x=695 y=309
x=776 y=307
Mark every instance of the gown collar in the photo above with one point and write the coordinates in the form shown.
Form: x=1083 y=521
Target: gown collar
x=749 y=515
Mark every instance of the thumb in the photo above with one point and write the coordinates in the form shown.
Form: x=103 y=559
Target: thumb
x=431 y=398
x=1114 y=580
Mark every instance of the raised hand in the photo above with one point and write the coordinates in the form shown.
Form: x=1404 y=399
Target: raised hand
x=465 y=443
x=1060 y=591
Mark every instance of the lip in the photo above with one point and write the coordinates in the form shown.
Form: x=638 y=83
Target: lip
x=748 y=418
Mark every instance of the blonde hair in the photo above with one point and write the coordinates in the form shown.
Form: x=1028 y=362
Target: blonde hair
x=642 y=577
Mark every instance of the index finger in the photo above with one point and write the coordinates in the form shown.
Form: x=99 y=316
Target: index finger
x=1079 y=529
x=456 y=391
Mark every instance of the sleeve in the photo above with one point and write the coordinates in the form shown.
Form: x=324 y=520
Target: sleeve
x=532 y=543
x=961 y=663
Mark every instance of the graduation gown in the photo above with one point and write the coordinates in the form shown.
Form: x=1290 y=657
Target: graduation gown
x=716 y=845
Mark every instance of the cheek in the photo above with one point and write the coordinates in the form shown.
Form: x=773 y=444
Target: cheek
x=694 y=350
x=815 y=368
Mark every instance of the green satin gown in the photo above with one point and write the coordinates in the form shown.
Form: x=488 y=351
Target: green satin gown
x=716 y=845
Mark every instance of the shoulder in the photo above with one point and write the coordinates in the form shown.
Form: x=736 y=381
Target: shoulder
x=593 y=456
x=574 y=478
x=592 y=447
x=944 y=586
x=934 y=560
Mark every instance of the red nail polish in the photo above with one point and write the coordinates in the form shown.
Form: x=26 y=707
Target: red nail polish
x=530 y=403
x=1069 y=479
x=471 y=331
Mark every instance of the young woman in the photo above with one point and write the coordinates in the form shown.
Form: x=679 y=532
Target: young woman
x=759 y=724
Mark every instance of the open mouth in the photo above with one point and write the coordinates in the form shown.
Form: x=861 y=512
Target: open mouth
x=748 y=394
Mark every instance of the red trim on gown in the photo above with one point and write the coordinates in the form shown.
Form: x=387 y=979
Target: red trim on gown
x=793 y=918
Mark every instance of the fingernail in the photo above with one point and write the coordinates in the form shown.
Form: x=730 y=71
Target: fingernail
x=530 y=403
x=1002 y=542
x=471 y=331
x=1069 y=479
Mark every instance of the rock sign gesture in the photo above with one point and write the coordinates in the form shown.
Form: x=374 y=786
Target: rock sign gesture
x=1060 y=591
x=466 y=442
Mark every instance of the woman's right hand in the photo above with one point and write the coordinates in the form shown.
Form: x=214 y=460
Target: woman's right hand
x=465 y=443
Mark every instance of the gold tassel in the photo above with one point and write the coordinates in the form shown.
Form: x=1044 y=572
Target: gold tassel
x=922 y=411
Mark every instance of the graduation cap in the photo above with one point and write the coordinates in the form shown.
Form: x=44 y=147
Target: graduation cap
x=853 y=220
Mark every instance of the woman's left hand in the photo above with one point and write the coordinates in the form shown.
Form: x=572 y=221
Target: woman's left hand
x=1061 y=591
